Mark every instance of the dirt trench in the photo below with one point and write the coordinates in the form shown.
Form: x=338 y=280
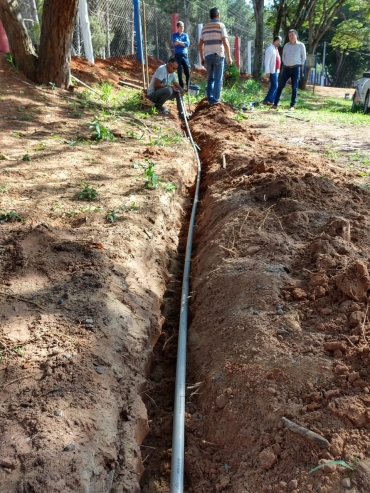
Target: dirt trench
x=278 y=309
x=278 y=323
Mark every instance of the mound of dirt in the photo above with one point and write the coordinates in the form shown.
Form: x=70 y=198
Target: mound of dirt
x=279 y=316
x=114 y=69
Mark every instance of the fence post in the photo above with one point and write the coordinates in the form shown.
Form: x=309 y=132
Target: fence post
x=138 y=31
x=139 y=38
x=146 y=47
x=200 y=27
x=174 y=21
x=237 y=51
x=107 y=35
x=85 y=28
x=78 y=36
x=4 y=43
x=249 y=50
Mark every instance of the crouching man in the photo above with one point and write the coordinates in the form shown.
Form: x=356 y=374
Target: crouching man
x=164 y=86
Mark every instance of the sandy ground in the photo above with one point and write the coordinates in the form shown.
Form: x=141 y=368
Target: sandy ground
x=89 y=308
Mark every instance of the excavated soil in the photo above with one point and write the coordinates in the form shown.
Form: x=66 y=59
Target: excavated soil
x=280 y=328
x=89 y=309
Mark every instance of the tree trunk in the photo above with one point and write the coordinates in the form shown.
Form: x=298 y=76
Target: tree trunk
x=280 y=12
x=258 y=54
x=21 y=47
x=58 y=17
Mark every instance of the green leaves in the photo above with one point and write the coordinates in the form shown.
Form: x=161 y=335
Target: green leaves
x=350 y=34
x=8 y=216
x=87 y=192
x=151 y=179
x=102 y=132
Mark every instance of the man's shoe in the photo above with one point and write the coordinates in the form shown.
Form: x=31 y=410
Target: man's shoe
x=273 y=107
x=267 y=103
x=162 y=109
x=291 y=108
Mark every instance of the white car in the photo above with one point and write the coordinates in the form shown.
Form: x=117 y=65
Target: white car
x=361 y=95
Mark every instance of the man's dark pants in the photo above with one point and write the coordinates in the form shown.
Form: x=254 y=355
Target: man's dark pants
x=183 y=63
x=288 y=73
x=160 y=96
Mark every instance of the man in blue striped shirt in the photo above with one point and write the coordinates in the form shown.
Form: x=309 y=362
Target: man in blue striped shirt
x=213 y=46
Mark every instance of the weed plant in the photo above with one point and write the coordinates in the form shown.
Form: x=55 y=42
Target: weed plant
x=232 y=71
x=241 y=91
x=40 y=147
x=87 y=192
x=166 y=137
x=102 y=132
x=150 y=176
x=9 y=58
x=168 y=186
x=8 y=216
x=151 y=179
x=106 y=90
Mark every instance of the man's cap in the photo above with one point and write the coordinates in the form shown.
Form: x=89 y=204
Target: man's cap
x=214 y=12
x=180 y=23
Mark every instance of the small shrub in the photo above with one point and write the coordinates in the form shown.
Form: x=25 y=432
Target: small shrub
x=41 y=146
x=149 y=175
x=169 y=186
x=9 y=58
x=87 y=192
x=8 y=216
x=102 y=132
x=112 y=215
x=232 y=71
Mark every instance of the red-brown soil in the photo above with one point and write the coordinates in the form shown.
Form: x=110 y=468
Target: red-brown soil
x=278 y=305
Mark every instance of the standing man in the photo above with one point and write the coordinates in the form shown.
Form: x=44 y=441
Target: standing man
x=164 y=86
x=294 y=57
x=213 y=46
x=272 y=68
x=181 y=44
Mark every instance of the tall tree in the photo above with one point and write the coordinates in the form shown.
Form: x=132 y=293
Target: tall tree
x=320 y=19
x=52 y=64
x=258 y=6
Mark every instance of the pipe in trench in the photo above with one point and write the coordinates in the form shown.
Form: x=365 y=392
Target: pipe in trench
x=178 y=434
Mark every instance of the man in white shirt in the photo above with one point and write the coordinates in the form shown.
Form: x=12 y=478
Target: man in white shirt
x=164 y=86
x=272 y=69
x=294 y=57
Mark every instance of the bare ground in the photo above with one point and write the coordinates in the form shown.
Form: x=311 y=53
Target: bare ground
x=279 y=303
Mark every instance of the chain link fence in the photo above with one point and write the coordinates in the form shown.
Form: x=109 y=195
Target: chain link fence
x=31 y=18
x=113 y=31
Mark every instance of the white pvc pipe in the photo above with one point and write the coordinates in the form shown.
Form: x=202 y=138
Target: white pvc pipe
x=85 y=28
x=178 y=434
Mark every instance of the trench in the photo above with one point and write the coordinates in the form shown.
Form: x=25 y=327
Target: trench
x=164 y=382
